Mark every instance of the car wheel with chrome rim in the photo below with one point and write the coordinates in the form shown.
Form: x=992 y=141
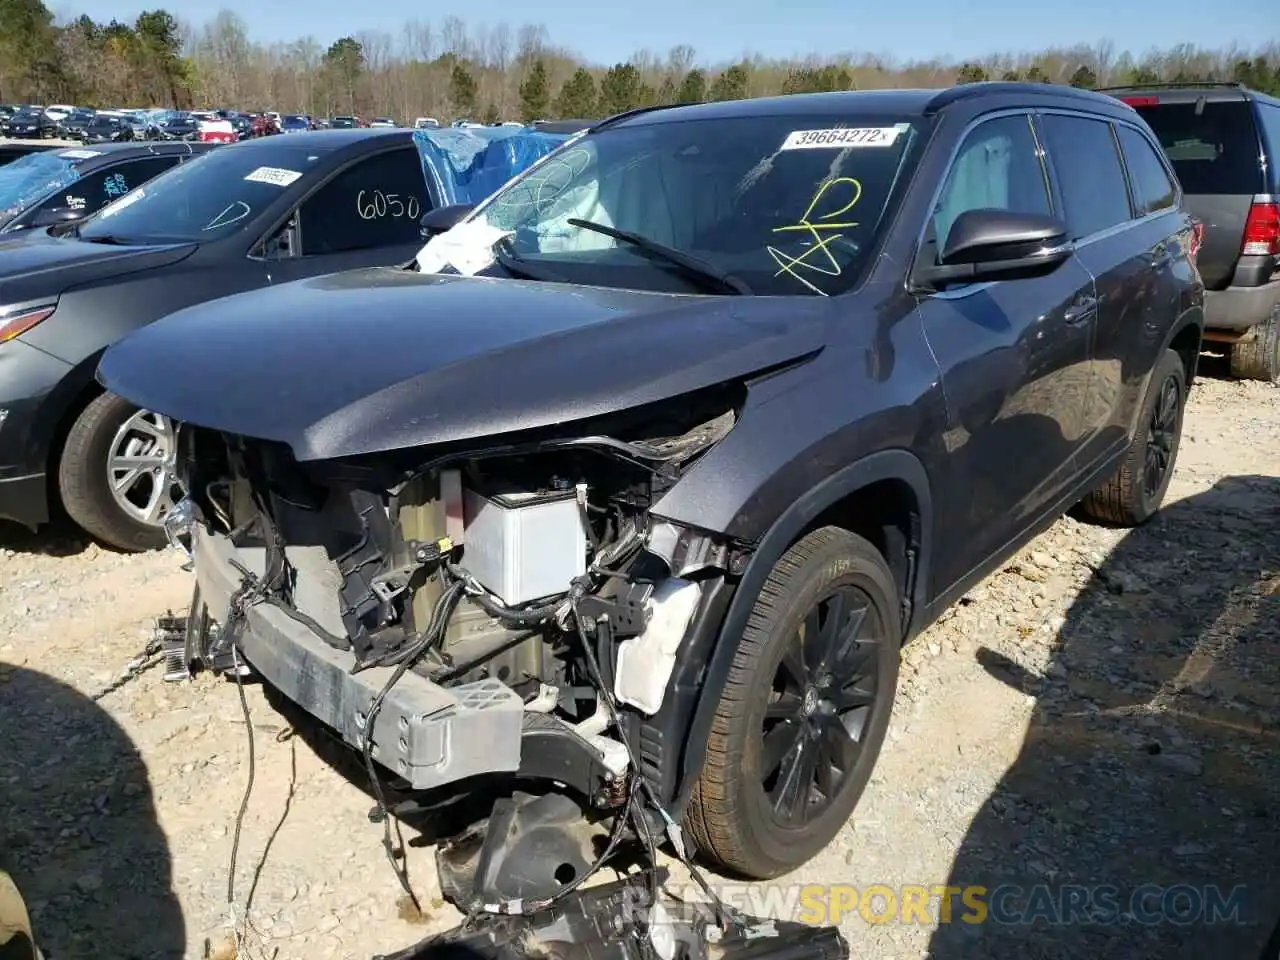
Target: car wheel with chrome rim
x=116 y=473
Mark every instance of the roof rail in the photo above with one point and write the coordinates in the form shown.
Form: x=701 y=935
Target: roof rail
x=635 y=112
x=965 y=91
x=1172 y=85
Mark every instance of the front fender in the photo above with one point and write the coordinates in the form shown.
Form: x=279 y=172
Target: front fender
x=896 y=464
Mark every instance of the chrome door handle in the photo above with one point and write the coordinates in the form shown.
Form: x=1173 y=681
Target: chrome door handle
x=1081 y=310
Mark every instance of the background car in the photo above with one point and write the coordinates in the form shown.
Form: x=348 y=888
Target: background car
x=177 y=125
x=108 y=128
x=29 y=124
x=295 y=123
x=59 y=111
x=425 y=123
x=72 y=126
x=60 y=186
x=240 y=217
x=383 y=122
x=1224 y=141
x=214 y=129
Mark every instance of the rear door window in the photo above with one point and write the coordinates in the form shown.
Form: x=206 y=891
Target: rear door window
x=91 y=193
x=377 y=202
x=1213 y=144
x=1090 y=176
x=1153 y=190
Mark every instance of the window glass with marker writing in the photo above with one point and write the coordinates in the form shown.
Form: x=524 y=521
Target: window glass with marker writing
x=211 y=197
x=1090 y=177
x=91 y=193
x=377 y=202
x=1152 y=188
x=789 y=205
x=997 y=167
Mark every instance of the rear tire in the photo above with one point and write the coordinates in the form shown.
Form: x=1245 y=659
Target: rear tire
x=1259 y=357
x=836 y=587
x=1137 y=488
x=85 y=475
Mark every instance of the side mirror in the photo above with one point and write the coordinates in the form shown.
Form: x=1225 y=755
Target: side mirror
x=993 y=244
x=445 y=218
x=52 y=216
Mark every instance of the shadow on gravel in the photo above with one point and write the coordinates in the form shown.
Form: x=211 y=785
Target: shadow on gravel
x=1140 y=817
x=78 y=829
x=51 y=540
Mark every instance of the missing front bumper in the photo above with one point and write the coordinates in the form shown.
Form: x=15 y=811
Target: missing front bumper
x=428 y=735
x=616 y=921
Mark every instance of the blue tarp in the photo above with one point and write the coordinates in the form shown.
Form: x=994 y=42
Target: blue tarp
x=30 y=179
x=466 y=164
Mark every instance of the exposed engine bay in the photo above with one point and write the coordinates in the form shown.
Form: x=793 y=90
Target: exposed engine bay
x=494 y=611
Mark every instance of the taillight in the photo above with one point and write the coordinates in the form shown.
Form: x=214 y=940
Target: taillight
x=1262 y=231
x=1197 y=238
x=1140 y=101
x=16 y=324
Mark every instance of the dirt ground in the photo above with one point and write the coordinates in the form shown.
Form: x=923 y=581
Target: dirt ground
x=1102 y=712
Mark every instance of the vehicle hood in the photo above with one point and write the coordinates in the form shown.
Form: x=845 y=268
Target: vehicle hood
x=34 y=264
x=387 y=359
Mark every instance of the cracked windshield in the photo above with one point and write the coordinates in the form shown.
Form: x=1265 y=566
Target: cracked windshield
x=770 y=206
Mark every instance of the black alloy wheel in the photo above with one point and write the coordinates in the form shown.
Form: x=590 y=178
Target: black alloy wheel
x=1162 y=435
x=803 y=712
x=824 y=689
x=1135 y=491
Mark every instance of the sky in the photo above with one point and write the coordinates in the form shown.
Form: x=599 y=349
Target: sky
x=723 y=30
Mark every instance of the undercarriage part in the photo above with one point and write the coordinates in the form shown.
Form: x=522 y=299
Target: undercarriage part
x=619 y=921
x=171 y=634
x=553 y=750
x=528 y=849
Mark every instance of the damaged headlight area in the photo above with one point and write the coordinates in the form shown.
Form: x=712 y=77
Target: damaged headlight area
x=465 y=612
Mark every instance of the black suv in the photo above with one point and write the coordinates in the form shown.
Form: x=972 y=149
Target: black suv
x=642 y=473
x=1224 y=142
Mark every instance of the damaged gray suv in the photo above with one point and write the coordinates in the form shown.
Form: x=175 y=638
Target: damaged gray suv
x=630 y=488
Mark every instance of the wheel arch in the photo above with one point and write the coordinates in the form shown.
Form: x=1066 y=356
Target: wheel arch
x=81 y=389
x=1186 y=338
x=891 y=485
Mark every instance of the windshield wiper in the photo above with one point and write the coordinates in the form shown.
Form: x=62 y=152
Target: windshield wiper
x=693 y=267
x=107 y=239
x=504 y=251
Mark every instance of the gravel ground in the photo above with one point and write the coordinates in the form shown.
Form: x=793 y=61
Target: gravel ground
x=1102 y=711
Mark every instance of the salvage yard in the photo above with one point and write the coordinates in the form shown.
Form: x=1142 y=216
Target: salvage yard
x=1104 y=710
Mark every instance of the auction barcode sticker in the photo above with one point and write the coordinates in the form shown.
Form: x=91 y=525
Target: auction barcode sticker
x=841 y=137
x=277 y=175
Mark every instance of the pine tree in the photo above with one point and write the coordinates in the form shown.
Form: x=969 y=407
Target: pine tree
x=577 y=97
x=694 y=87
x=731 y=84
x=1084 y=78
x=535 y=93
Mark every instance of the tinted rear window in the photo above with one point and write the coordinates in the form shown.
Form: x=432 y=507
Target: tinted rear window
x=1213 y=145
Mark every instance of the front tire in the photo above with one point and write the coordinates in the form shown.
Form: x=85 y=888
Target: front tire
x=1135 y=491
x=804 y=711
x=115 y=474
